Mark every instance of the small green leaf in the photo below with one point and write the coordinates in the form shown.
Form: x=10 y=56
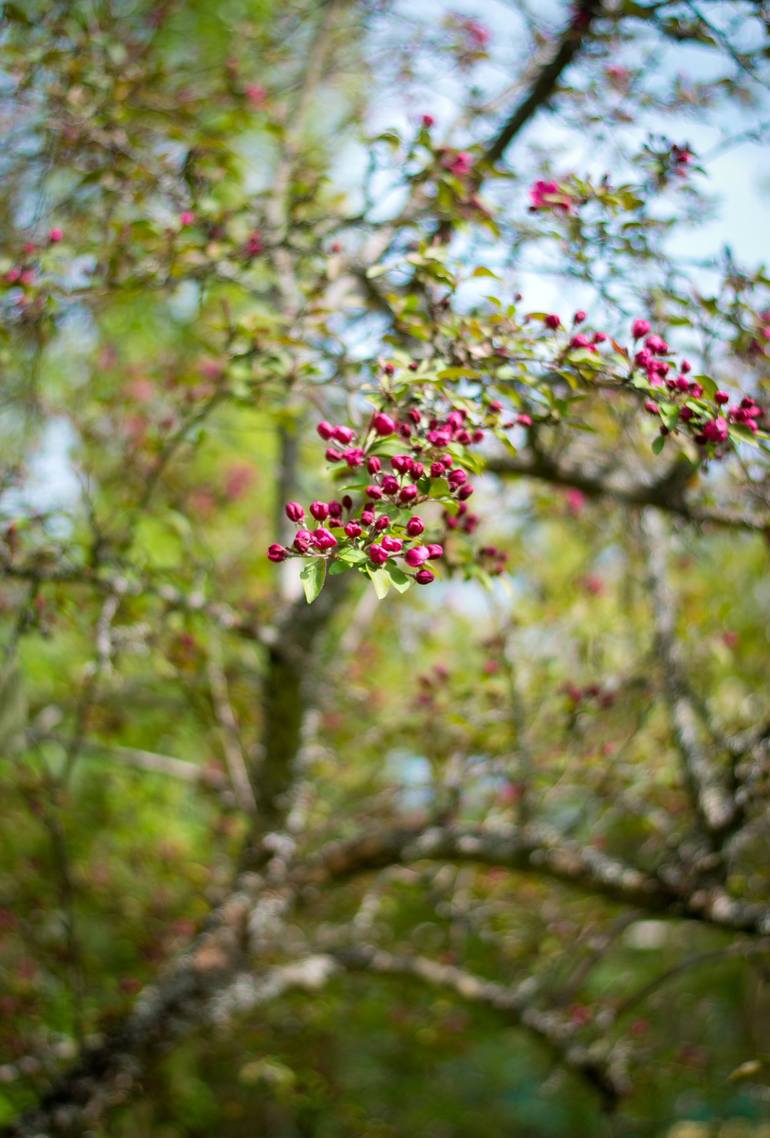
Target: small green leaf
x=313 y=577
x=658 y=443
x=380 y=580
x=400 y=581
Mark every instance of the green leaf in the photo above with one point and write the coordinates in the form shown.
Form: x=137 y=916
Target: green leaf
x=313 y=577
x=352 y=556
x=658 y=443
x=708 y=385
x=380 y=580
x=399 y=580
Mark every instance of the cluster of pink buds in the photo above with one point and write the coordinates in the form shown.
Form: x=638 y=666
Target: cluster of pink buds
x=381 y=527
x=603 y=697
x=706 y=420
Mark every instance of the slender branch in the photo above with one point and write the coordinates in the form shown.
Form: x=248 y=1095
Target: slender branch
x=667 y=493
x=715 y=805
x=547 y=79
x=514 y=1004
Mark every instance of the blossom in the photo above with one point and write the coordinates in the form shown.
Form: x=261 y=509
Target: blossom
x=548 y=195
x=277 y=552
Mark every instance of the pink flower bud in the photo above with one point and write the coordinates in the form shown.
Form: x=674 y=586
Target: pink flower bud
x=401 y=463
x=389 y=369
x=417 y=470
x=457 y=477
x=382 y=523
x=378 y=555
x=392 y=544
x=374 y=492
x=367 y=517
x=428 y=121
x=465 y=492
x=579 y=316
x=319 y=510
x=417 y=556
x=696 y=390
x=277 y=553
x=657 y=345
x=294 y=512
x=353 y=456
x=187 y=218
x=303 y=539
x=524 y=420
x=335 y=509
x=651 y=406
x=686 y=414
x=383 y=424
x=323 y=539
x=424 y=577
x=580 y=341
x=55 y=235
x=374 y=465
x=415 y=526
x=332 y=455
x=640 y=328
x=435 y=551
x=600 y=337
x=721 y=397
x=414 y=414
x=552 y=321
x=390 y=484
x=686 y=367
x=344 y=435
x=325 y=430
x=353 y=529
x=408 y=494
x=436 y=469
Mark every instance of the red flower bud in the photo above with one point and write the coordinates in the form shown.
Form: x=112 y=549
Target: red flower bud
x=579 y=316
x=319 y=510
x=367 y=517
x=378 y=555
x=335 y=509
x=390 y=484
x=325 y=430
x=414 y=414
x=392 y=544
x=640 y=328
x=294 y=512
x=333 y=455
x=552 y=321
x=383 y=424
x=408 y=494
x=374 y=465
x=323 y=539
x=401 y=463
x=436 y=469
x=374 y=493
x=457 y=477
x=415 y=526
x=55 y=235
x=344 y=435
x=524 y=420
x=435 y=551
x=416 y=556
x=353 y=529
x=303 y=539
x=651 y=406
x=424 y=577
x=417 y=470
x=465 y=492
x=721 y=397
x=277 y=553
x=382 y=523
